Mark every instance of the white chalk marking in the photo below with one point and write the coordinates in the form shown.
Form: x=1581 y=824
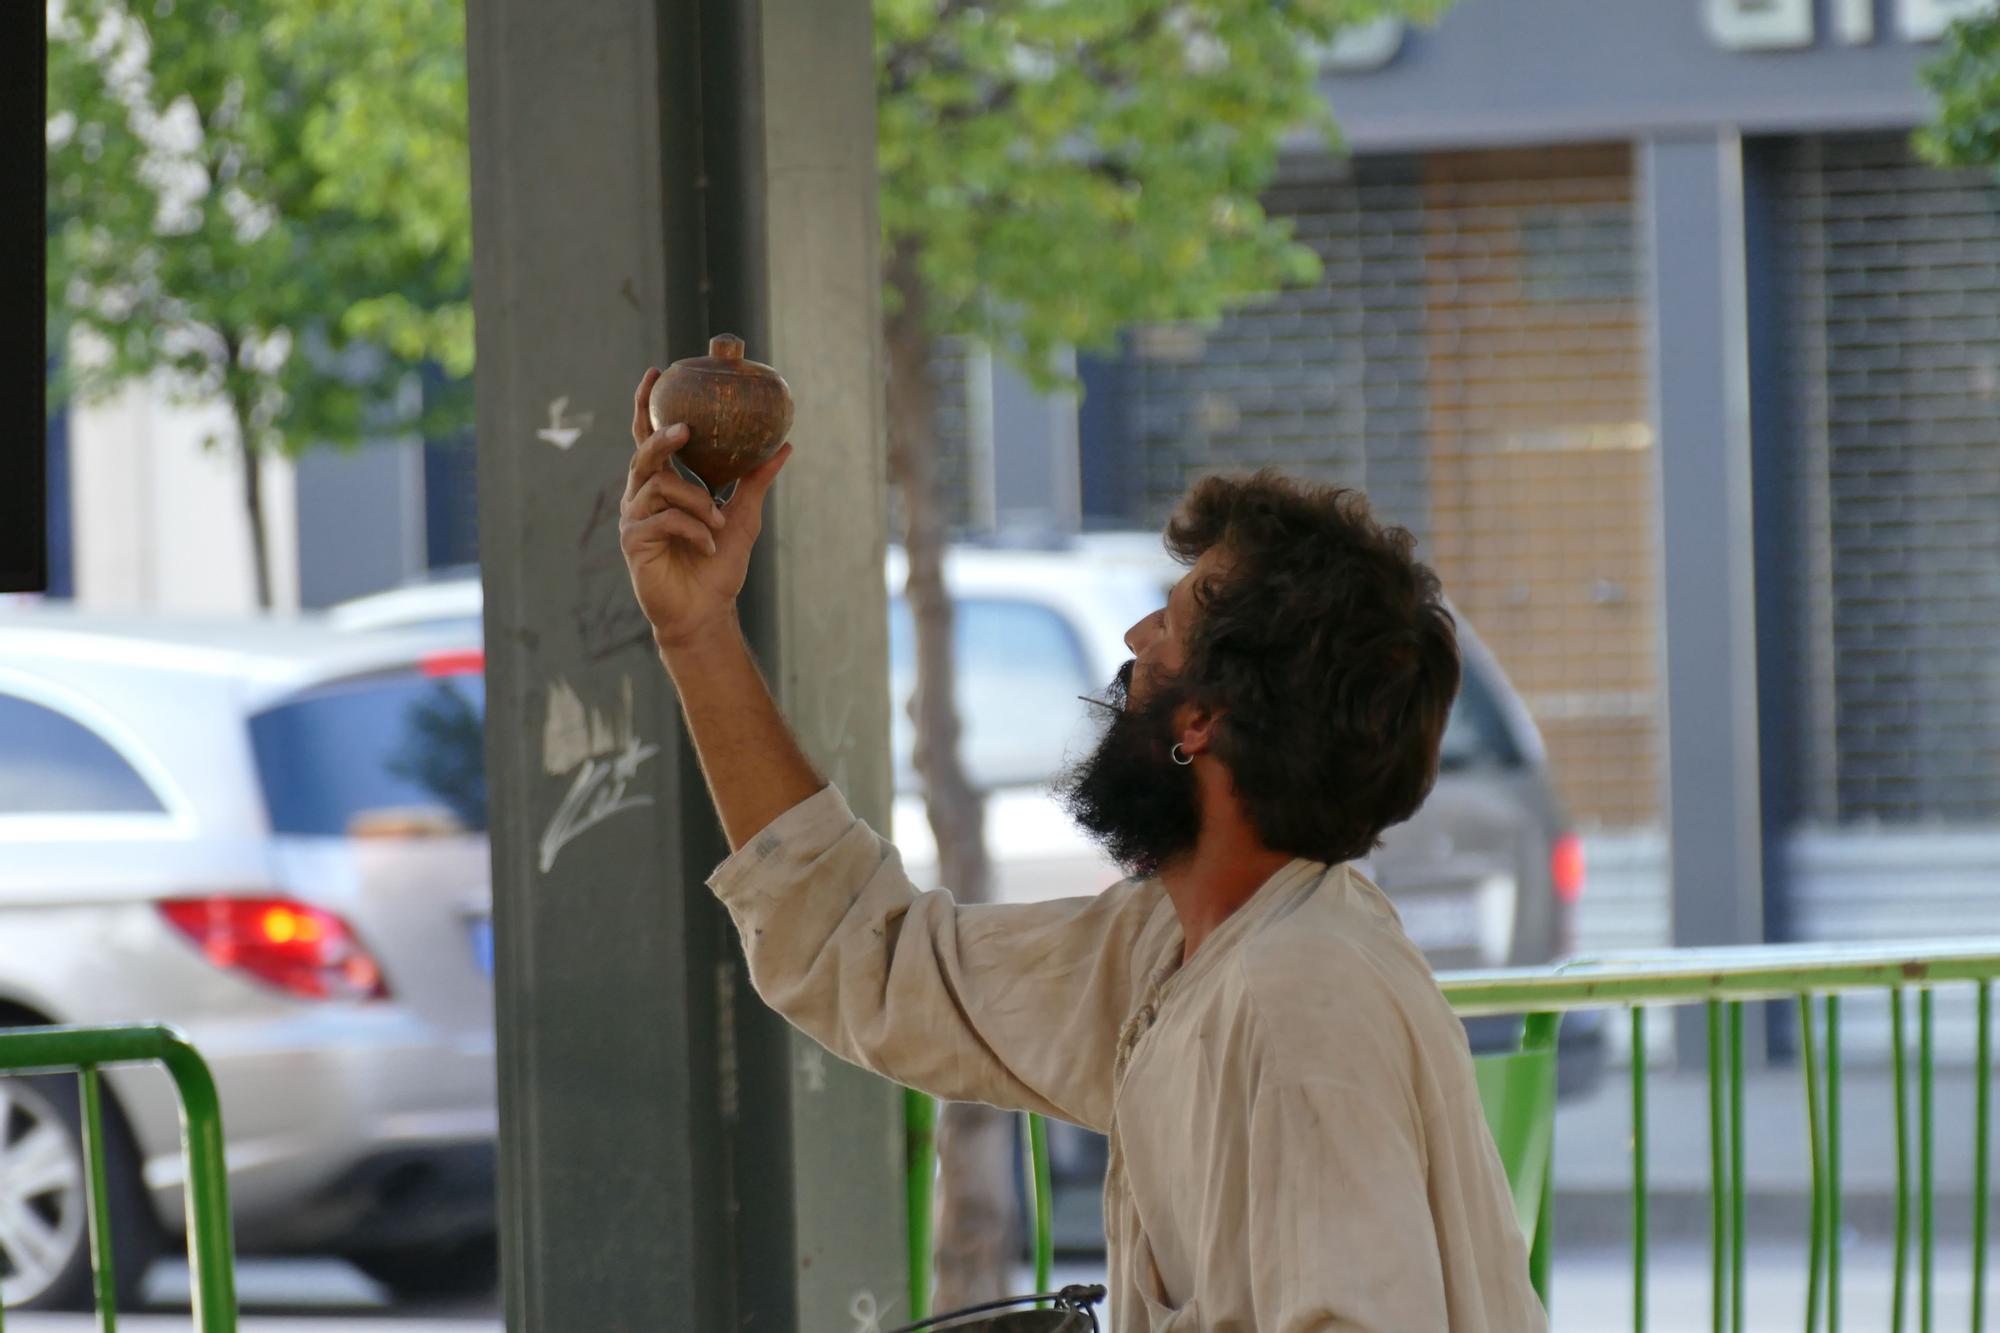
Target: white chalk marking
x=563 y=429
x=601 y=754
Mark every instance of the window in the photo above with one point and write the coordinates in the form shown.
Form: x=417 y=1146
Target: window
x=1021 y=672
x=52 y=764
x=340 y=753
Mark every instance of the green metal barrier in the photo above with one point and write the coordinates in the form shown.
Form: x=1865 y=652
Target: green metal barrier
x=920 y=1121
x=84 y=1051
x=1517 y=1093
x=1816 y=977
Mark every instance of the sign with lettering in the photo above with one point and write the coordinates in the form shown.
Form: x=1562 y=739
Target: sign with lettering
x=1365 y=46
x=1926 y=20
x=1759 y=25
x=1779 y=25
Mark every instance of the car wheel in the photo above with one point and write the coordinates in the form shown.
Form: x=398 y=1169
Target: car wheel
x=438 y=1270
x=44 y=1217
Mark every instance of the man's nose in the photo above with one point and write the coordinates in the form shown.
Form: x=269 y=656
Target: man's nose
x=1142 y=634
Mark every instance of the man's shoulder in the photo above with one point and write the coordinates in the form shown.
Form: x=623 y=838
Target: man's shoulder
x=1343 y=935
x=1338 y=968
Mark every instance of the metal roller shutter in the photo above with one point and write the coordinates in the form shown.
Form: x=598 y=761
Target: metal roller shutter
x=1474 y=358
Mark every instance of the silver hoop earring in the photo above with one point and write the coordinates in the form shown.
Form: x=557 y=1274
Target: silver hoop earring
x=1180 y=756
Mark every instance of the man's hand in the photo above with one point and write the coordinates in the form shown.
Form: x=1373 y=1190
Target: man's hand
x=687 y=554
x=687 y=557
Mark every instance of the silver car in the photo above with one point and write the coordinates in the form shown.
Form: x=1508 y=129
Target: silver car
x=1487 y=874
x=272 y=835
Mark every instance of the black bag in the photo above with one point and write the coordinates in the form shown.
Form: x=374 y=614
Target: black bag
x=1069 y=1312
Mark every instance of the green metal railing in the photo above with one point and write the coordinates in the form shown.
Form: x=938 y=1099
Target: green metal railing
x=920 y=1122
x=1816 y=977
x=920 y=1118
x=84 y=1051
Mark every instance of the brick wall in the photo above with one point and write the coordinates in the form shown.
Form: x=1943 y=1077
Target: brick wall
x=1891 y=325
x=1474 y=358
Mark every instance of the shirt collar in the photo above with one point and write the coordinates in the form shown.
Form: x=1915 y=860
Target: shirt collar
x=1296 y=876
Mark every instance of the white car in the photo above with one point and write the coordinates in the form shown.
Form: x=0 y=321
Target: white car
x=1486 y=874
x=271 y=835
x=1037 y=628
x=1033 y=632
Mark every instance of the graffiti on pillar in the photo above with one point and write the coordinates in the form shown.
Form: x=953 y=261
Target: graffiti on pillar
x=565 y=428
x=866 y=1314
x=601 y=755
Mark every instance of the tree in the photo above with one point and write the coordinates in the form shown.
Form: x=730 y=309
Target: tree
x=1966 y=81
x=263 y=203
x=263 y=198
x=1052 y=173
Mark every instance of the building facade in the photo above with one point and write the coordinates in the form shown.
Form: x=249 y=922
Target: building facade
x=1641 y=314
x=1646 y=319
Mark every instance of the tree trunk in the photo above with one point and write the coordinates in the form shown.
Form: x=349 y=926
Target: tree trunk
x=976 y=1225
x=253 y=490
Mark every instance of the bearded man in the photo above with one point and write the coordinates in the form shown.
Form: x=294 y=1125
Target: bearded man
x=1296 y=1137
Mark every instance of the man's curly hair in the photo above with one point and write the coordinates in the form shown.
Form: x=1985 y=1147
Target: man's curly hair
x=1326 y=648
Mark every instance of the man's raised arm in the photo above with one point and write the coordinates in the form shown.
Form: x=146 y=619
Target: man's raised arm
x=1017 y=1006
x=688 y=558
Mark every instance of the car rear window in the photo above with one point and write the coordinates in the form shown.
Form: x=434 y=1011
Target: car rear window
x=1020 y=670
x=53 y=764
x=334 y=756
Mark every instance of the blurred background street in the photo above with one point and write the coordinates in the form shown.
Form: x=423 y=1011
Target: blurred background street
x=331 y=735
x=1593 y=1292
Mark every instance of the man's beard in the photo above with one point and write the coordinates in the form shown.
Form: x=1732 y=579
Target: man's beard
x=1128 y=794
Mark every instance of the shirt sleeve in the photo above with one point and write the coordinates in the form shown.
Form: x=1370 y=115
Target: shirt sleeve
x=1017 y=1006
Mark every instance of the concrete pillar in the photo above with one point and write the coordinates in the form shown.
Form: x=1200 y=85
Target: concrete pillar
x=1692 y=197
x=646 y=173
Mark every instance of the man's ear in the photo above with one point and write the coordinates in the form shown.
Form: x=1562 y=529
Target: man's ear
x=1198 y=729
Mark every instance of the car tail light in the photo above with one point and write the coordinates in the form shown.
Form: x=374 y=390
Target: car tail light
x=1566 y=868
x=297 y=948
x=456 y=662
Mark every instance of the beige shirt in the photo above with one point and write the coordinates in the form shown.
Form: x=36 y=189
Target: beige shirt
x=1296 y=1137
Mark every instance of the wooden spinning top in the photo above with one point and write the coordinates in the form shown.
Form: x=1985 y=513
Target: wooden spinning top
x=737 y=411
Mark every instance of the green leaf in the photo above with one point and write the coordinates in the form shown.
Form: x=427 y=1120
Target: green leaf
x=263 y=199
x=1965 y=78
x=1067 y=168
